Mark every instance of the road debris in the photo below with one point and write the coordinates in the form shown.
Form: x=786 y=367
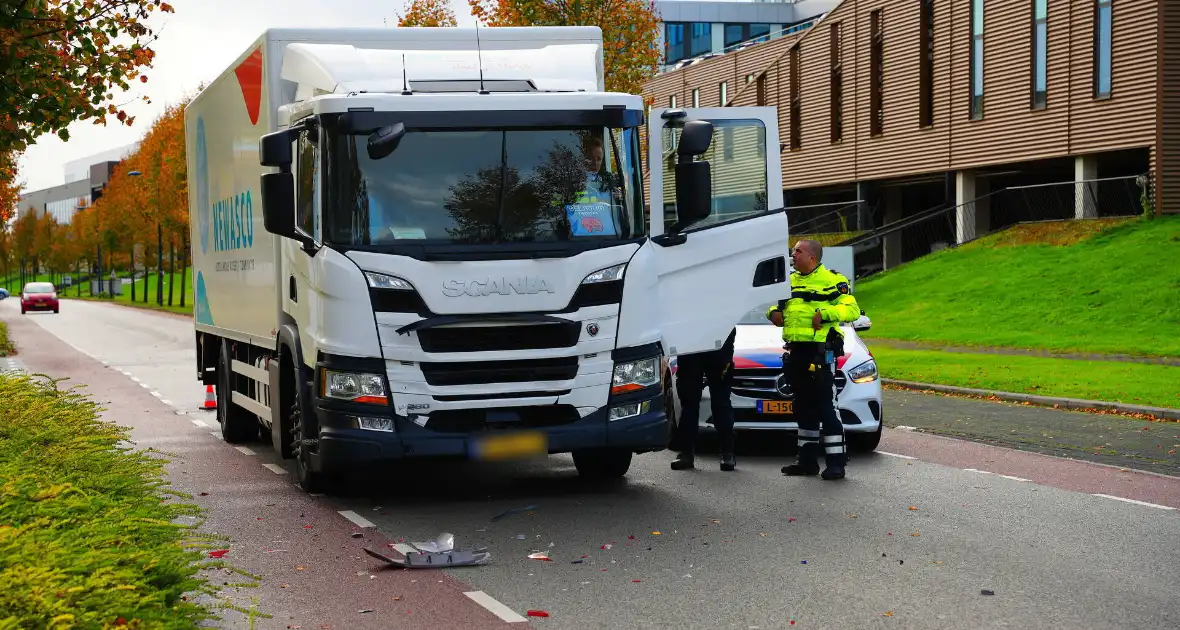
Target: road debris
x=537 y=613
x=519 y=510
x=987 y=592
x=540 y=555
x=358 y=535
x=219 y=553
x=434 y=554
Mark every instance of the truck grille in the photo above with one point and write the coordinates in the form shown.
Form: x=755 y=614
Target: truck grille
x=484 y=372
x=488 y=338
x=501 y=419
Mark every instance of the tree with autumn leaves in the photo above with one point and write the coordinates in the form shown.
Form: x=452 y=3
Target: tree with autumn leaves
x=630 y=31
x=428 y=13
x=62 y=61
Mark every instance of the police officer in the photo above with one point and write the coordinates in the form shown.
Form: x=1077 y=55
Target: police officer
x=715 y=366
x=820 y=301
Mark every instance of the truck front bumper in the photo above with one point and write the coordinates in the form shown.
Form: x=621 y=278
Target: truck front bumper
x=343 y=443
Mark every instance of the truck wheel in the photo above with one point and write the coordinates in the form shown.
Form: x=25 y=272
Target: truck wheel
x=864 y=442
x=602 y=463
x=237 y=425
x=302 y=442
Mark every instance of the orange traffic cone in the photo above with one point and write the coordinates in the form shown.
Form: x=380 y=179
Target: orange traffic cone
x=210 y=398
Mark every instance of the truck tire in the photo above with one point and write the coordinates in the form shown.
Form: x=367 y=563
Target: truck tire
x=864 y=442
x=312 y=482
x=237 y=424
x=606 y=463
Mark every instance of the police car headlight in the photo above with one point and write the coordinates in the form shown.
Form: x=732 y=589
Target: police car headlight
x=864 y=373
x=353 y=387
x=609 y=274
x=385 y=281
x=635 y=375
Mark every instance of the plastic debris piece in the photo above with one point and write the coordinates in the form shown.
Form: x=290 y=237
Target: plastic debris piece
x=219 y=553
x=307 y=527
x=987 y=592
x=635 y=581
x=540 y=555
x=791 y=519
x=527 y=508
x=853 y=516
x=357 y=535
x=204 y=494
x=298 y=568
x=606 y=546
x=441 y=544
x=537 y=613
x=804 y=562
x=520 y=536
x=913 y=508
x=431 y=560
x=888 y=613
x=655 y=533
x=915 y=534
x=579 y=561
x=397 y=598
x=632 y=537
x=364 y=610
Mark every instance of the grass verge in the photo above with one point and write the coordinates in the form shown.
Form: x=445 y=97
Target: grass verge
x=1076 y=286
x=1106 y=381
x=6 y=347
x=87 y=531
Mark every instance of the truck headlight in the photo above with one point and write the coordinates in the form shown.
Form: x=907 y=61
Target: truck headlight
x=384 y=281
x=864 y=373
x=635 y=375
x=354 y=387
x=609 y=274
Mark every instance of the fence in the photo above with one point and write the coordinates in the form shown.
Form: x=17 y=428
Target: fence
x=830 y=223
x=941 y=227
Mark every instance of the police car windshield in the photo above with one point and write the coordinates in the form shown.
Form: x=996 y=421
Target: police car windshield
x=486 y=186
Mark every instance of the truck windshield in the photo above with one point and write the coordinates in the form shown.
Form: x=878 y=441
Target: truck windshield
x=488 y=186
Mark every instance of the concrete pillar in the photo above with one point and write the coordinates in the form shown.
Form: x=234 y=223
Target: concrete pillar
x=1085 y=197
x=717 y=33
x=862 y=209
x=965 y=194
x=894 y=211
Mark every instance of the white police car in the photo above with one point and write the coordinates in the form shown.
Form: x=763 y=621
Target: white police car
x=757 y=365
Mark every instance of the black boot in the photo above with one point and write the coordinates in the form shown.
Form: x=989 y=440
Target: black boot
x=805 y=464
x=834 y=468
x=684 y=461
x=728 y=461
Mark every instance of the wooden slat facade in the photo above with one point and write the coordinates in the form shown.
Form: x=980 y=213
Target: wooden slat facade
x=1073 y=122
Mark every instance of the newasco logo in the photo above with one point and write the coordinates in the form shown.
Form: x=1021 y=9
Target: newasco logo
x=233 y=223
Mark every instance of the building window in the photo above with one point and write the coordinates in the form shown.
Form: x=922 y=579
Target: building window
x=674 y=45
x=837 y=80
x=734 y=34
x=796 y=141
x=926 y=66
x=672 y=101
x=1040 y=67
x=724 y=90
x=701 y=41
x=1103 y=31
x=760 y=89
x=696 y=97
x=876 y=74
x=976 y=59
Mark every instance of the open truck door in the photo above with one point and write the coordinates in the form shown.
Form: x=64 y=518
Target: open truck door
x=721 y=250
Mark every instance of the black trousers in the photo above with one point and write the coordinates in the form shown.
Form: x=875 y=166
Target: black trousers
x=820 y=429
x=692 y=372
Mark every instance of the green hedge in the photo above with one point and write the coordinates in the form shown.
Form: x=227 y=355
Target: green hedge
x=88 y=537
x=6 y=348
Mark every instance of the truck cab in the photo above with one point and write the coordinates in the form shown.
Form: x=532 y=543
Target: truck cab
x=461 y=260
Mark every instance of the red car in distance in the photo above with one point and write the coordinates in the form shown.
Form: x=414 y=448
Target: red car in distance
x=38 y=296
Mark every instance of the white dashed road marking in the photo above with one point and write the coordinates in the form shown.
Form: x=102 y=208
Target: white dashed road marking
x=244 y=450
x=275 y=468
x=357 y=519
x=215 y=434
x=1145 y=503
x=200 y=424
x=157 y=394
x=494 y=607
x=166 y=402
x=896 y=455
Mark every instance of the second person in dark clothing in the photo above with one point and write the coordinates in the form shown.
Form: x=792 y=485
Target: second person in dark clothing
x=693 y=370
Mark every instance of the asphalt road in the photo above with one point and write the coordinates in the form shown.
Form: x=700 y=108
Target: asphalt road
x=911 y=539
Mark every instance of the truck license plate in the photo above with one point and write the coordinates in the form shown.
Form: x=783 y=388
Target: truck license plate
x=776 y=407
x=516 y=445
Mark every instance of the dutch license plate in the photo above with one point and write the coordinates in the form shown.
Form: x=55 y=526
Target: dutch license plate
x=776 y=407
x=516 y=445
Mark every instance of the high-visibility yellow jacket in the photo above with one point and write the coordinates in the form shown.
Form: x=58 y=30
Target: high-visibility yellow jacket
x=821 y=290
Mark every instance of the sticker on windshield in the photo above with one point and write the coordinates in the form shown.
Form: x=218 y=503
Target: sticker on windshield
x=591 y=219
x=401 y=233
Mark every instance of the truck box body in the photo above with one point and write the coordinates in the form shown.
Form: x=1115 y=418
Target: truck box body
x=423 y=267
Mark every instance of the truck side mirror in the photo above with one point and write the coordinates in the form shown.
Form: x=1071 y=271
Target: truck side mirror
x=274 y=149
x=694 y=183
x=278 y=204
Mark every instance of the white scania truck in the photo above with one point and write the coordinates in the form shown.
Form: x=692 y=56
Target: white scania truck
x=435 y=242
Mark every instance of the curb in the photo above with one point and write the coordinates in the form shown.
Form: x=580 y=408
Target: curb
x=1047 y=401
